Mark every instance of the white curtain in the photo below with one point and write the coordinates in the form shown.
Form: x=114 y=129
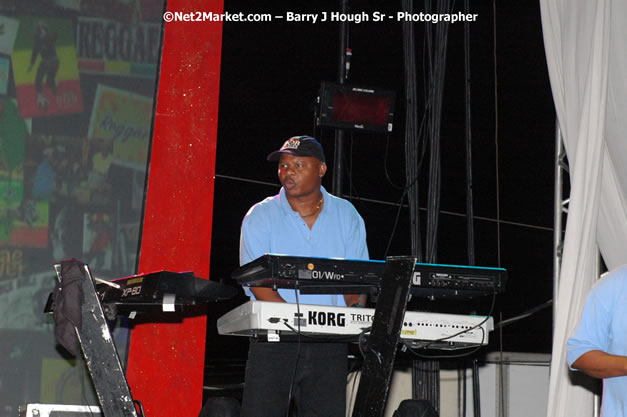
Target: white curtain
x=585 y=48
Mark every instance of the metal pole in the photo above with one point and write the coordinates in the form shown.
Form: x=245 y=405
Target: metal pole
x=341 y=76
x=558 y=209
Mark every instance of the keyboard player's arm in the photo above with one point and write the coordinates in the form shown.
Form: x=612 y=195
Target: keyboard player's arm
x=356 y=300
x=356 y=248
x=254 y=243
x=267 y=294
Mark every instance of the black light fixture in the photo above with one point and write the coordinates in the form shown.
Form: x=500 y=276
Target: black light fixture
x=351 y=107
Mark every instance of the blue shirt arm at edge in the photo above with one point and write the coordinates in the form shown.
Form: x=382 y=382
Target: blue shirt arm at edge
x=592 y=332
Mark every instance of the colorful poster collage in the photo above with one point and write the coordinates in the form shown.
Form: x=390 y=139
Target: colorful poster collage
x=76 y=101
x=77 y=81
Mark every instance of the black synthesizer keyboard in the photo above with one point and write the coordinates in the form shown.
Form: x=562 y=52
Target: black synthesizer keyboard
x=336 y=275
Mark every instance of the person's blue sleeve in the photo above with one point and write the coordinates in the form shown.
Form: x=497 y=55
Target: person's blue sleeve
x=254 y=241
x=593 y=329
x=356 y=246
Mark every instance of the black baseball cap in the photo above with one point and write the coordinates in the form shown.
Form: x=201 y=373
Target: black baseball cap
x=299 y=146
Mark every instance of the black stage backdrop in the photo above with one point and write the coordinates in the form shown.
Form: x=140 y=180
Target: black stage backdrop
x=271 y=73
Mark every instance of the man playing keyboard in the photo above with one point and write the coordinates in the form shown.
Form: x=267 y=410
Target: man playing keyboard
x=302 y=220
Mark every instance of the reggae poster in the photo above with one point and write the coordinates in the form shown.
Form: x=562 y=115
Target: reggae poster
x=23 y=218
x=124 y=118
x=45 y=68
x=4 y=74
x=98 y=237
x=8 y=32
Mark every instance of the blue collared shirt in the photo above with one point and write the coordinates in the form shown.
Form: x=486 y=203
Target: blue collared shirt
x=603 y=326
x=271 y=226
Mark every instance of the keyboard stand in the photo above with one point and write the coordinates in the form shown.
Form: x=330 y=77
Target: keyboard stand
x=386 y=328
x=98 y=347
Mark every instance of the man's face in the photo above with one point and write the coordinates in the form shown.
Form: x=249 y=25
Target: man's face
x=300 y=175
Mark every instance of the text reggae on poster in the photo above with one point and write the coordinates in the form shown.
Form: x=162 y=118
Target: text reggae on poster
x=113 y=47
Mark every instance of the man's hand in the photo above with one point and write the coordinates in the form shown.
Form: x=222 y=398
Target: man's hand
x=599 y=364
x=352 y=299
x=267 y=294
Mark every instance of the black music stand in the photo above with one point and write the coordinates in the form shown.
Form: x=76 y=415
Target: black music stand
x=384 y=336
x=96 y=343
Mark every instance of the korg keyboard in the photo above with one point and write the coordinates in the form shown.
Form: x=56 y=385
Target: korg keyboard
x=336 y=275
x=283 y=321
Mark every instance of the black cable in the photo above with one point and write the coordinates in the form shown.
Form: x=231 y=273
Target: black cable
x=350 y=165
x=142 y=413
x=431 y=76
x=411 y=179
x=348 y=169
x=464 y=389
x=496 y=144
x=316 y=107
x=475 y=389
x=436 y=76
x=411 y=136
x=420 y=355
x=320 y=337
x=398 y=213
x=298 y=344
x=385 y=165
x=416 y=142
x=434 y=58
x=501 y=370
x=524 y=315
x=470 y=232
x=443 y=339
x=82 y=382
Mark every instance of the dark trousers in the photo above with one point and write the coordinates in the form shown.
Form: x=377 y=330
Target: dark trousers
x=319 y=385
x=47 y=69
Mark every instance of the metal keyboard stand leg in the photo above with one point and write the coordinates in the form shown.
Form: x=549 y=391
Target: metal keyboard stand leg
x=386 y=328
x=100 y=352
